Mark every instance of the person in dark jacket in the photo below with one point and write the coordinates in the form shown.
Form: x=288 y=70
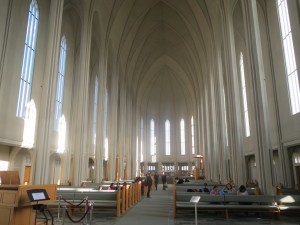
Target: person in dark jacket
x=148 y=183
x=156 y=180
x=164 y=181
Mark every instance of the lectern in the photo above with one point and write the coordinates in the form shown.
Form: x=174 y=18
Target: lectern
x=16 y=207
x=36 y=195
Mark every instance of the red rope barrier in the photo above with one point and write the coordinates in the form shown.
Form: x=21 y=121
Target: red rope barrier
x=78 y=221
x=70 y=203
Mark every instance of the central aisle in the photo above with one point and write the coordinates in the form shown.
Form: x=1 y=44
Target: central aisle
x=156 y=210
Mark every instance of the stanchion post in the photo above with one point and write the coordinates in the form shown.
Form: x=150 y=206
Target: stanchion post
x=86 y=209
x=58 y=208
x=91 y=212
x=64 y=215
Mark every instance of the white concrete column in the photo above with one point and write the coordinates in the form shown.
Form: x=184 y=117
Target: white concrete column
x=122 y=130
x=80 y=108
x=100 y=139
x=234 y=121
x=5 y=15
x=42 y=156
x=261 y=113
x=113 y=128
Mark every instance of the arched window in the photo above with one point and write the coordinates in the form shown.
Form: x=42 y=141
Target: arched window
x=142 y=140
x=244 y=92
x=105 y=126
x=225 y=116
x=152 y=138
x=60 y=82
x=193 y=135
x=168 y=144
x=182 y=137
x=289 y=56
x=28 y=59
x=95 y=112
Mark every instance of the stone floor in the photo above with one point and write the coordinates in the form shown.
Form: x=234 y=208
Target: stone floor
x=158 y=210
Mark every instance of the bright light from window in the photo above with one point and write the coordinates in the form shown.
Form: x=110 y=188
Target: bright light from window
x=62 y=127
x=60 y=82
x=106 y=149
x=225 y=116
x=182 y=137
x=29 y=125
x=152 y=138
x=142 y=144
x=246 y=115
x=289 y=56
x=168 y=148
x=3 y=165
x=193 y=136
x=28 y=59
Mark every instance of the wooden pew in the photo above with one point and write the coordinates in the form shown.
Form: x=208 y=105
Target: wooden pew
x=110 y=199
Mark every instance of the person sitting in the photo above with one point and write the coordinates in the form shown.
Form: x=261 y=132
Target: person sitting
x=192 y=190
x=229 y=189
x=111 y=187
x=180 y=181
x=214 y=190
x=205 y=189
x=242 y=190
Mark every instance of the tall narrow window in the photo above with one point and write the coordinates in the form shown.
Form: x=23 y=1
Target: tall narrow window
x=152 y=138
x=60 y=82
x=95 y=112
x=182 y=137
x=105 y=126
x=142 y=140
x=193 y=135
x=244 y=92
x=168 y=144
x=225 y=116
x=289 y=56
x=28 y=59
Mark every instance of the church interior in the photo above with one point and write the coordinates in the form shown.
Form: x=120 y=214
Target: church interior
x=101 y=90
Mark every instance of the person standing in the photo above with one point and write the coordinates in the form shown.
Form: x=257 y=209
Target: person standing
x=148 y=183
x=156 y=180
x=164 y=181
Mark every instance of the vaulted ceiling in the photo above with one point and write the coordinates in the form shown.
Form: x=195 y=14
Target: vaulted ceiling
x=163 y=48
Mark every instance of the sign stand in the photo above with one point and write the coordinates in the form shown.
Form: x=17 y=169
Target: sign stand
x=36 y=195
x=195 y=199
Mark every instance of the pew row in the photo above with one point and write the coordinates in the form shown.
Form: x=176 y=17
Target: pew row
x=119 y=200
x=227 y=203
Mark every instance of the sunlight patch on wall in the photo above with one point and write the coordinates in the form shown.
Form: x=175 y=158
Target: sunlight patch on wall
x=4 y=165
x=106 y=149
x=29 y=125
x=61 y=135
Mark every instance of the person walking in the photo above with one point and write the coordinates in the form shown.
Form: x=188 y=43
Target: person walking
x=156 y=180
x=148 y=183
x=164 y=181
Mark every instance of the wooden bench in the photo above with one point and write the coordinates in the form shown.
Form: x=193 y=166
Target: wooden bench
x=100 y=199
x=227 y=203
x=250 y=203
x=206 y=203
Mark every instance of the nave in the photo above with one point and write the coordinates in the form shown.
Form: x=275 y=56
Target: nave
x=158 y=210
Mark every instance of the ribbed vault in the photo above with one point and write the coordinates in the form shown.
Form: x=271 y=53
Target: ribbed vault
x=159 y=45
